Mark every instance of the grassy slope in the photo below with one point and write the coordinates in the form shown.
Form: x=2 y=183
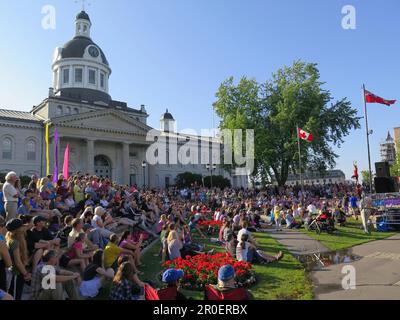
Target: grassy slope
x=348 y=236
x=285 y=279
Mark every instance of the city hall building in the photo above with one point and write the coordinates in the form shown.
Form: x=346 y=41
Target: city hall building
x=107 y=137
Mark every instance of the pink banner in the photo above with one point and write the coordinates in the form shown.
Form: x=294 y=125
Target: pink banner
x=66 y=162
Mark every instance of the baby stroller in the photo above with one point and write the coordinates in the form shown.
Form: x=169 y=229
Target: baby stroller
x=323 y=222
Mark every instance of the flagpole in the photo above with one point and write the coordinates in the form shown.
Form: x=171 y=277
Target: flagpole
x=367 y=130
x=300 y=171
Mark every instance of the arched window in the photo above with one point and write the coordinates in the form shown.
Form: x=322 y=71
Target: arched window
x=59 y=110
x=76 y=110
x=31 y=150
x=7 y=146
x=68 y=110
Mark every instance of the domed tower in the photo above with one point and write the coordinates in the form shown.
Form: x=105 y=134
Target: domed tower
x=167 y=122
x=80 y=68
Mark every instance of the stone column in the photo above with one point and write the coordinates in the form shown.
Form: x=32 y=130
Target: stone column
x=90 y=156
x=125 y=163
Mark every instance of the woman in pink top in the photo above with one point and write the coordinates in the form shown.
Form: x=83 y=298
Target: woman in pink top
x=127 y=242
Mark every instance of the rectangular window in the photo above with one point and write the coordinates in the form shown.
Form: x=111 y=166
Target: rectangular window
x=102 y=80
x=32 y=155
x=65 y=76
x=7 y=155
x=92 y=76
x=78 y=75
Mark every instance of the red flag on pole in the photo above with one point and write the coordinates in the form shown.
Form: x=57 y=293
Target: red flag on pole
x=305 y=135
x=66 y=163
x=372 y=98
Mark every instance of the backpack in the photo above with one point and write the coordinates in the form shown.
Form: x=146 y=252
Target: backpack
x=235 y=294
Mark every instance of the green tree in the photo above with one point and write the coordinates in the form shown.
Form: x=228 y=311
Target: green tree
x=218 y=182
x=293 y=97
x=186 y=179
x=365 y=176
x=395 y=168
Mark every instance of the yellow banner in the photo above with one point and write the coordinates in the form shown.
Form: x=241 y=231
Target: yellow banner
x=47 y=150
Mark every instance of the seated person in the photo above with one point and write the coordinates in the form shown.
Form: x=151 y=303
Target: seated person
x=127 y=242
x=95 y=276
x=226 y=288
x=193 y=225
x=65 y=230
x=291 y=223
x=247 y=251
x=76 y=255
x=39 y=239
x=65 y=280
x=113 y=251
x=172 y=291
x=126 y=284
x=77 y=228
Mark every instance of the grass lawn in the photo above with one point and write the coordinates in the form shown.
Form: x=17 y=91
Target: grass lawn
x=348 y=236
x=285 y=279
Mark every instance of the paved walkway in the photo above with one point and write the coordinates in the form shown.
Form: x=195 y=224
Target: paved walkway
x=377 y=273
x=298 y=243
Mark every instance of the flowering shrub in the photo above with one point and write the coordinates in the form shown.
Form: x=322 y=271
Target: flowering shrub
x=203 y=269
x=210 y=223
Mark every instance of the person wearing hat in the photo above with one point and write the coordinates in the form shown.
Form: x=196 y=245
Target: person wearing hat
x=226 y=288
x=39 y=238
x=18 y=251
x=171 y=278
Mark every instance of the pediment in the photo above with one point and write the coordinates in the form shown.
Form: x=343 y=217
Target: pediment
x=109 y=120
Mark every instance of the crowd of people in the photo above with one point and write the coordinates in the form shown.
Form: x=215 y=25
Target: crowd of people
x=90 y=232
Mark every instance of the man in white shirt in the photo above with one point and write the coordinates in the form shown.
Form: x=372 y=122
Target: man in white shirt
x=244 y=231
x=10 y=195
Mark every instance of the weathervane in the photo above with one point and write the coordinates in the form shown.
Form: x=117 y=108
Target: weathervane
x=83 y=3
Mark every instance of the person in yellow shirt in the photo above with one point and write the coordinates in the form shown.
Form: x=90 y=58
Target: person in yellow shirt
x=112 y=251
x=79 y=195
x=277 y=217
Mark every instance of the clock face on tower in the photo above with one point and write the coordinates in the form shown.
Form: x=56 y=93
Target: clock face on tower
x=94 y=52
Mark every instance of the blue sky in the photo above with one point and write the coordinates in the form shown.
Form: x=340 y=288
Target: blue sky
x=175 y=53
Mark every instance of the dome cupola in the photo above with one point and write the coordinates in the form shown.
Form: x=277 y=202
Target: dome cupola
x=80 y=68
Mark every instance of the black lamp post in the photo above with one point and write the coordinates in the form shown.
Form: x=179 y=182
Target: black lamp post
x=211 y=168
x=144 y=165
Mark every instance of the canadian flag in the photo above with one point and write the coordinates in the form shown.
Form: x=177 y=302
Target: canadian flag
x=305 y=135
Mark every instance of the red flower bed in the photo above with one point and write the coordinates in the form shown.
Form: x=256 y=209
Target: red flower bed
x=203 y=269
x=211 y=223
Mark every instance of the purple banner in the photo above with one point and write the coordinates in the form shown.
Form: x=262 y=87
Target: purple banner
x=55 y=171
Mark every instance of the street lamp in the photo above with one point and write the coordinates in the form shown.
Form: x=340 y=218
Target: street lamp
x=144 y=164
x=211 y=168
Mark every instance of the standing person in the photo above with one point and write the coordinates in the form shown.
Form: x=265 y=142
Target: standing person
x=277 y=217
x=353 y=205
x=366 y=211
x=10 y=196
x=5 y=259
x=18 y=251
x=175 y=245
